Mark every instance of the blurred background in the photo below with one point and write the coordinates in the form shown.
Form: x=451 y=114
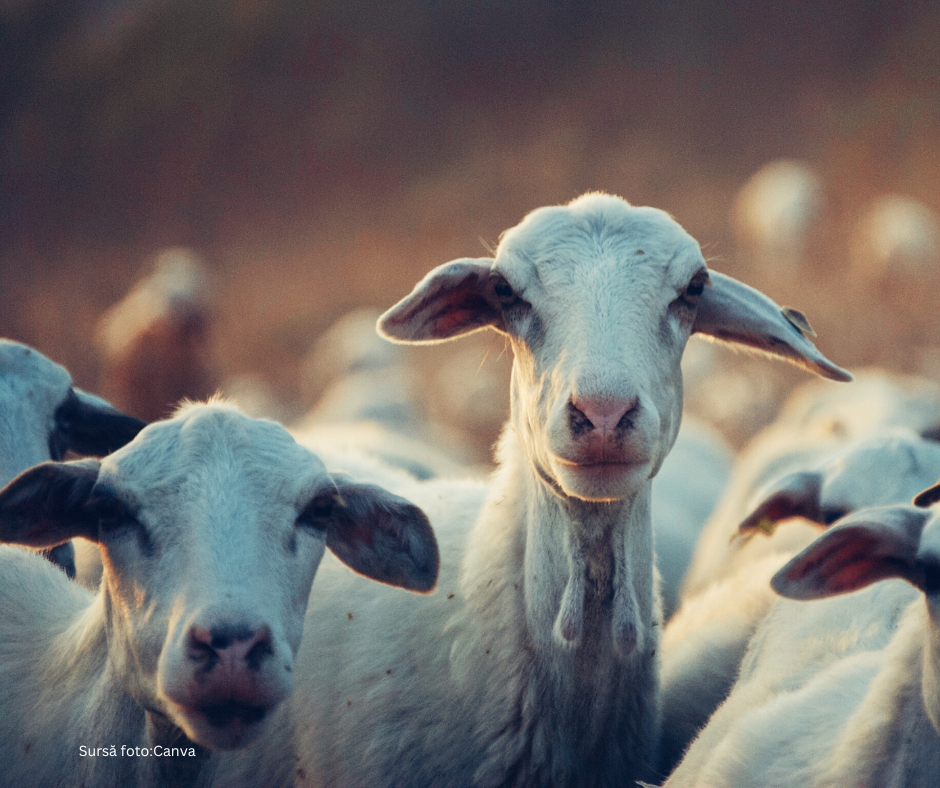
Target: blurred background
x=289 y=161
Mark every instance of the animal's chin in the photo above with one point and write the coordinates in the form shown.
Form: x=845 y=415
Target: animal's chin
x=602 y=481
x=227 y=725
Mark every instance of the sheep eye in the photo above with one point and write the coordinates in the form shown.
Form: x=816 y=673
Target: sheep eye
x=112 y=514
x=696 y=286
x=318 y=511
x=504 y=292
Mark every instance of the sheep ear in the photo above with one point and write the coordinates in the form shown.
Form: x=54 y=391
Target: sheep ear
x=868 y=546
x=796 y=495
x=45 y=505
x=453 y=299
x=928 y=497
x=383 y=537
x=731 y=311
x=89 y=425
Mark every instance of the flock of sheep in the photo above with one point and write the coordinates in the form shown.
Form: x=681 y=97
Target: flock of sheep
x=618 y=603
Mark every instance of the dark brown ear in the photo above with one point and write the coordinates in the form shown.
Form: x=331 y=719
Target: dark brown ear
x=383 y=537
x=733 y=312
x=45 y=505
x=868 y=546
x=453 y=299
x=87 y=424
x=928 y=497
x=796 y=495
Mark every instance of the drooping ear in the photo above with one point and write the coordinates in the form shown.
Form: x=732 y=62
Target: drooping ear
x=928 y=497
x=87 y=424
x=382 y=536
x=731 y=311
x=796 y=495
x=453 y=299
x=45 y=505
x=865 y=547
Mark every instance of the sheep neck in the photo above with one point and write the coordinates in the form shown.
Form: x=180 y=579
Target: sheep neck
x=584 y=617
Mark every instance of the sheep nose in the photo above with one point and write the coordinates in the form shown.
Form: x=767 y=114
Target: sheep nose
x=600 y=413
x=232 y=647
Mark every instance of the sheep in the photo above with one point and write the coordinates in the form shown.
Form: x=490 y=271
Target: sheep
x=774 y=213
x=370 y=405
x=44 y=416
x=212 y=526
x=896 y=238
x=815 y=424
x=703 y=645
x=536 y=662
x=685 y=491
x=155 y=341
x=858 y=702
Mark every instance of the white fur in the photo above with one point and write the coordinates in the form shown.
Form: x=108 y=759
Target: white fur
x=704 y=643
x=535 y=663
x=685 y=491
x=839 y=692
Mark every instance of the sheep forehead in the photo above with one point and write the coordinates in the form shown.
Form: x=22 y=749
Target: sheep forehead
x=598 y=238
x=879 y=469
x=215 y=454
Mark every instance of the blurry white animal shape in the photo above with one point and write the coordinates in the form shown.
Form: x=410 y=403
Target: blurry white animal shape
x=897 y=238
x=774 y=214
x=371 y=403
x=685 y=491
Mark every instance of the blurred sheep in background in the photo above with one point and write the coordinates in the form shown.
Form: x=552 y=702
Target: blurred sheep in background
x=368 y=399
x=897 y=238
x=155 y=341
x=775 y=213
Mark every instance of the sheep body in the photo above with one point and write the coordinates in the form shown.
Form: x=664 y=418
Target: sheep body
x=842 y=691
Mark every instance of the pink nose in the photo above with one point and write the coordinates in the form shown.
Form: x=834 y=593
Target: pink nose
x=230 y=647
x=603 y=414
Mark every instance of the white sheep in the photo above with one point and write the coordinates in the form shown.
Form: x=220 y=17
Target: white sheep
x=815 y=424
x=774 y=213
x=685 y=491
x=212 y=526
x=44 y=416
x=846 y=691
x=535 y=664
x=704 y=643
x=370 y=403
x=897 y=238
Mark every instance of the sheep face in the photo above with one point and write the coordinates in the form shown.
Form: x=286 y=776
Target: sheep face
x=598 y=299
x=211 y=527
x=882 y=469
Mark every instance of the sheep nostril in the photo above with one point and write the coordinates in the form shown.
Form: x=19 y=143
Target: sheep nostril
x=603 y=413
